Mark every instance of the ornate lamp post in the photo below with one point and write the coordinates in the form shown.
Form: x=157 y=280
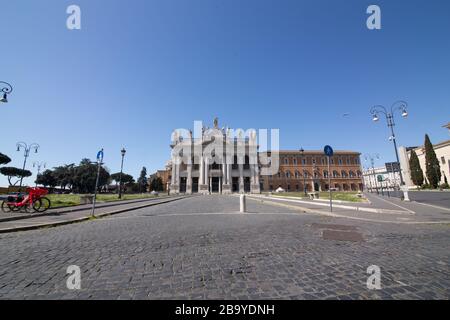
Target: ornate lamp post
x=6 y=89
x=26 y=154
x=39 y=165
x=123 y=151
x=396 y=106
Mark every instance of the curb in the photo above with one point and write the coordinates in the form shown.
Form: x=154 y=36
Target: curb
x=76 y=208
x=334 y=215
x=101 y=215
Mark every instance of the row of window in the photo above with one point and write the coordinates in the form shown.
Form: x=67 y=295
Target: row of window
x=321 y=160
x=306 y=174
x=308 y=187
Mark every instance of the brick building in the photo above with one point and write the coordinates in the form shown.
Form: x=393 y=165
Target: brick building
x=309 y=169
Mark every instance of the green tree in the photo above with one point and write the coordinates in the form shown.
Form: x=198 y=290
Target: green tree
x=65 y=176
x=142 y=180
x=433 y=170
x=4 y=159
x=86 y=175
x=126 y=178
x=47 y=179
x=12 y=172
x=156 y=184
x=416 y=171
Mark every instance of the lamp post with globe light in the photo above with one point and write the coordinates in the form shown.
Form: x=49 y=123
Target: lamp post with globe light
x=396 y=106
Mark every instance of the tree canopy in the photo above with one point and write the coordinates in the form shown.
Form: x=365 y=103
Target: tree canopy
x=47 y=179
x=126 y=178
x=156 y=184
x=4 y=159
x=12 y=172
x=433 y=169
x=142 y=180
x=416 y=171
x=86 y=175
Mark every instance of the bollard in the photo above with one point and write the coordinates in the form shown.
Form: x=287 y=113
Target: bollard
x=242 y=198
x=405 y=194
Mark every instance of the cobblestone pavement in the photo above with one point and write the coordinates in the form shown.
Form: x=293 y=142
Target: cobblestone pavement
x=202 y=248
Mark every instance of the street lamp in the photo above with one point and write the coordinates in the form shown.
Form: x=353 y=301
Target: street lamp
x=39 y=165
x=6 y=89
x=396 y=106
x=372 y=158
x=26 y=154
x=123 y=151
x=302 y=151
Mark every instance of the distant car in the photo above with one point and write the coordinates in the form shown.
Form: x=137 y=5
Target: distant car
x=280 y=190
x=155 y=193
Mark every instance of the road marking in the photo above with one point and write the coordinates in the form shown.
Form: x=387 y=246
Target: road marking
x=394 y=204
x=433 y=205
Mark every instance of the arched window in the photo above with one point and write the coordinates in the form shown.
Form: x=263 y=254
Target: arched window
x=359 y=174
x=335 y=174
x=286 y=160
x=352 y=174
x=325 y=174
x=297 y=174
x=344 y=174
x=288 y=174
x=305 y=174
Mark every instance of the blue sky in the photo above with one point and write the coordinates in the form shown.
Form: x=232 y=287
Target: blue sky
x=138 y=69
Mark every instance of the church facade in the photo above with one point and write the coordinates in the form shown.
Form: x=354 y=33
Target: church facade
x=214 y=161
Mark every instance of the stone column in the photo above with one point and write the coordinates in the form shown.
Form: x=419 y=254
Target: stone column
x=220 y=184
x=202 y=171
x=172 y=180
x=224 y=173
x=241 y=178
x=174 y=187
x=189 y=179
x=206 y=171
x=210 y=185
x=256 y=186
x=226 y=178
x=203 y=183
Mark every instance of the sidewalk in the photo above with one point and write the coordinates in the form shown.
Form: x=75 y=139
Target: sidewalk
x=378 y=210
x=11 y=216
x=62 y=217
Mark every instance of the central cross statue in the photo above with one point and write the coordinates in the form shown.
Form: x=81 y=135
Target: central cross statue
x=216 y=123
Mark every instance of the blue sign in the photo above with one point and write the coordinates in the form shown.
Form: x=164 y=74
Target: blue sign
x=100 y=155
x=328 y=151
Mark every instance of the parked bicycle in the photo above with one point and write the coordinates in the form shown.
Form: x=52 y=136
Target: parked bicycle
x=32 y=200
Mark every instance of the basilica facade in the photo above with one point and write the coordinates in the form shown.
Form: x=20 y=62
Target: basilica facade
x=214 y=161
